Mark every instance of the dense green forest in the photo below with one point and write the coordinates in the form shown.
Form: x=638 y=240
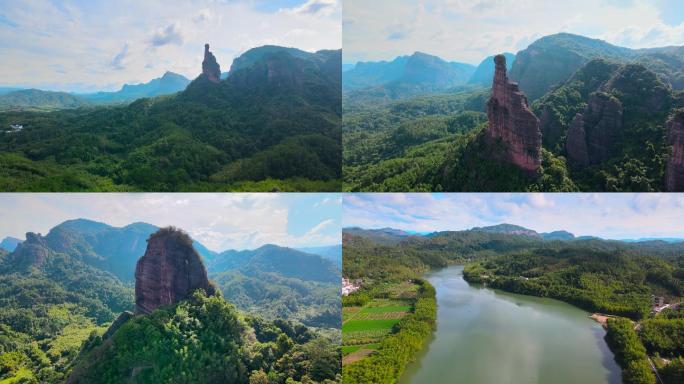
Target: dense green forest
x=206 y=340
x=63 y=288
x=432 y=141
x=612 y=277
x=273 y=125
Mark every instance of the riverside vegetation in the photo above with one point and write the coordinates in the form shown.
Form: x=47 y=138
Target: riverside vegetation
x=62 y=291
x=414 y=132
x=613 y=277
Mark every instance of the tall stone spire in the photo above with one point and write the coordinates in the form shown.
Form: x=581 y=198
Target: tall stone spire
x=210 y=68
x=170 y=271
x=512 y=122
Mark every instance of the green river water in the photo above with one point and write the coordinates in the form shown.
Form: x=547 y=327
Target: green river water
x=487 y=336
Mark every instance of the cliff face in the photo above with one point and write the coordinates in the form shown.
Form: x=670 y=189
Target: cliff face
x=33 y=252
x=674 y=174
x=210 y=68
x=170 y=271
x=512 y=122
x=592 y=133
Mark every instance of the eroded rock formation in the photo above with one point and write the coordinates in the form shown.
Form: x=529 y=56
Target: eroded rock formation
x=592 y=133
x=512 y=122
x=170 y=271
x=33 y=252
x=674 y=174
x=210 y=67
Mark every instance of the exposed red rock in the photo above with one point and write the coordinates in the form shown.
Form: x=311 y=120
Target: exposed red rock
x=170 y=271
x=674 y=174
x=592 y=134
x=210 y=67
x=512 y=122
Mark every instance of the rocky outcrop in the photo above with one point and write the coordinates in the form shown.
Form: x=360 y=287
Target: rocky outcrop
x=592 y=133
x=210 y=67
x=512 y=122
x=33 y=252
x=170 y=271
x=120 y=320
x=576 y=144
x=674 y=174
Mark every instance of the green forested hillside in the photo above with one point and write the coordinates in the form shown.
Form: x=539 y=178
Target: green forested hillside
x=274 y=125
x=60 y=289
x=205 y=340
x=422 y=143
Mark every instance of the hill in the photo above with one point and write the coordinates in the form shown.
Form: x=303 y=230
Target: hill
x=330 y=252
x=407 y=75
x=9 y=243
x=167 y=84
x=274 y=125
x=37 y=100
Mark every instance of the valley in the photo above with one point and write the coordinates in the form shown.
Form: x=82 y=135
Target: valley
x=485 y=272
x=608 y=119
x=271 y=124
x=63 y=290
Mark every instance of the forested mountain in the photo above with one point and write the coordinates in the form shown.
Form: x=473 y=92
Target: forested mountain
x=167 y=84
x=9 y=243
x=272 y=125
x=406 y=75
x=609 y=117
x=60 y=287
x=37 y=100
x=331 y=252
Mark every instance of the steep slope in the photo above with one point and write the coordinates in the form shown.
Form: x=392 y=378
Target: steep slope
x=406 y=75
x=167 y=84
x=35 y=99
x=272 y=125
x=552 y=59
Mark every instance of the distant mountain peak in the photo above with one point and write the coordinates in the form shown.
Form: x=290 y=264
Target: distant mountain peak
x=506 y=228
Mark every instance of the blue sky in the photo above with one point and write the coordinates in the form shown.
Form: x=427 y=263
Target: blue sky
x=608 y=215
x=470 y=30
x=90 y=45
x=219 y=221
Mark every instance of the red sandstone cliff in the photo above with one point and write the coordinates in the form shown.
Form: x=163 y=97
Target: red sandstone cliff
x=210 y=68
x=170 y=271
x=674 y=174
x=512 y=122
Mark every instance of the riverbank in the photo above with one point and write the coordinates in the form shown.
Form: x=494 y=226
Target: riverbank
x=387 y=364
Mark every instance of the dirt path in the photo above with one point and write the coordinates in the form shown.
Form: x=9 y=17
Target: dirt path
x=356 y=356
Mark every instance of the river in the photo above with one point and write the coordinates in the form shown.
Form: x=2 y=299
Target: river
x=487 y=336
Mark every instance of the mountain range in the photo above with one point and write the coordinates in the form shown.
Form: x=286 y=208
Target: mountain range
x=270 y=271
x=273 y=124
x=17 y=99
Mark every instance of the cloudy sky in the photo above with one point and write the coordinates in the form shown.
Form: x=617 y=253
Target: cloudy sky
x=88 y=45
x=470 y=30
x=219 y=221
x=608 y=215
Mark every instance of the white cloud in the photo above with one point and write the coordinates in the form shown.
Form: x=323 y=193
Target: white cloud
x=470 y=30
x=219 y=221
x=87 y=40
x=607 y=215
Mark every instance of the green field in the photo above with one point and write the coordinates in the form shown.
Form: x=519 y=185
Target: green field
x=363 y=328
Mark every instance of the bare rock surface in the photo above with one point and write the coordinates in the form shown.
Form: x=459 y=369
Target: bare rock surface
x=512 y=122
x=170 y=271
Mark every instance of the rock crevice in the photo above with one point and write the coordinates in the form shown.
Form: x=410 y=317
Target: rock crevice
x=512 y=122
